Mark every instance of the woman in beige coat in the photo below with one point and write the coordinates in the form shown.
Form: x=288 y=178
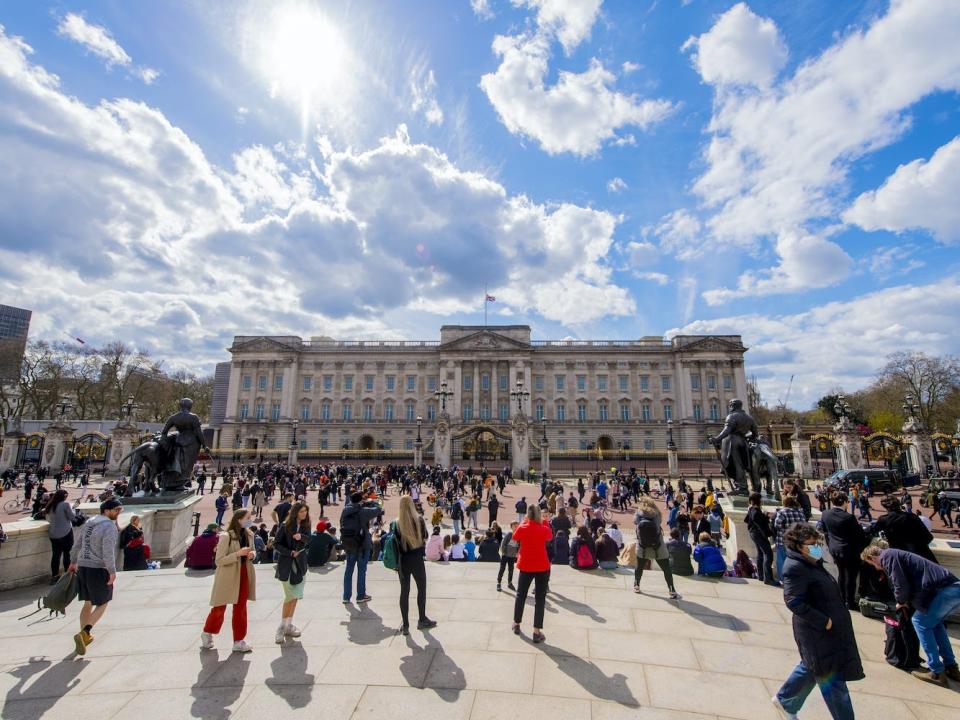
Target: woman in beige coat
x=234 y=582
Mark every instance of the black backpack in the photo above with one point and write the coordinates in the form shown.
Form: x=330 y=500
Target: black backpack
x=648 y=532
x=902 y=646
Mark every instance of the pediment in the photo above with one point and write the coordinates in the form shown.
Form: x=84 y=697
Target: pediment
x=485 y=340
x=713 y=344
x=261 y=344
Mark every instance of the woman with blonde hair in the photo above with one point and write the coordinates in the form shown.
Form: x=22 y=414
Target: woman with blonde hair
x=650 y=545
x=234 y=582
x=411 y=534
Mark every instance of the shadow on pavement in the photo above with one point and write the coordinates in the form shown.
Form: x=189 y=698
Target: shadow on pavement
x=365 y=627
x=612 y=688
x=447 y=679
x=290 y=679
x=51 y=681
x=711 y=617
x=219 y=685
x=575 y=606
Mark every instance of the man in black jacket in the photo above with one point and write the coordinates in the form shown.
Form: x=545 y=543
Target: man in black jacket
x=357 y=543
x=934 y=594
x=903 y=530
x=846 y=540
x=758 y=524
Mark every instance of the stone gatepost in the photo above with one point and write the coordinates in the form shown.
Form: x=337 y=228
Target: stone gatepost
x=11 y=443
x=520 y=445
x=802 y=461
x=57 y=438
x=124 y=438
x=441 y=441
x=673 y=462
x=545 y=455
x=919 y=446
x=292 y=455
x=418 y=453
x=848 y=444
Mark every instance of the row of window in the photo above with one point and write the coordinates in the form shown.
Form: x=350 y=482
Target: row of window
x=623 y=382
x=326 y=411
x=603 y=412
x=408 y=444
x=409 y=382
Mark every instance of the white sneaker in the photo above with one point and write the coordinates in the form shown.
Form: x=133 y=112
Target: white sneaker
x=206 y=641
x=281 y=635
x=241 y=646
x=778 y=706
x=292 y=631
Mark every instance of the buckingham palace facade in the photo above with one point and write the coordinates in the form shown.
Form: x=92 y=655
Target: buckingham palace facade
x=331 y=398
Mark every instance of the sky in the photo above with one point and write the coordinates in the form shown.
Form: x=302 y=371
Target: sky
x=174 y=174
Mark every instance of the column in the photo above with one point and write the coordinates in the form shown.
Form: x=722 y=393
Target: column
x=494 y=387
x=10 y=446
x=454 y=404
x=476 y=389
x=802 y=462
x=287 y=399
x=740 y=382
x=233 y=390
x=848 y=444
x=684 y=403
x=545 y=455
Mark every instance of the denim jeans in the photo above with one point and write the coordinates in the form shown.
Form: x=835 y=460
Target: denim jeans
x=931 y=631
x=457 y=528
x=801 y=681
x=360 y=561
x=781 y=559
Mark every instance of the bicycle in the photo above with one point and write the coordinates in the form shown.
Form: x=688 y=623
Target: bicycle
x=15 y=505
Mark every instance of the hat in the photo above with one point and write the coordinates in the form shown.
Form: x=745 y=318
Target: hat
x=213 y=526
x=110 y=504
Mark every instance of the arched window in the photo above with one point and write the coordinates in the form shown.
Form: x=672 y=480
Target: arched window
x=411 y=412
x=603 y=410
x=388 y=410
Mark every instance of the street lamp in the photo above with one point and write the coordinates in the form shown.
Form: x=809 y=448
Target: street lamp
x=63 y=407
x=443 y=393
x=128 y=408
x=543 y=424
x=519 y=395
x=910 y=407
x=841 y=407
x=671 y=445
x=419 y=423
x=295 y=424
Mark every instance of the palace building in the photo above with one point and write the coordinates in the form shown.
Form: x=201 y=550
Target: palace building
x=326 y=398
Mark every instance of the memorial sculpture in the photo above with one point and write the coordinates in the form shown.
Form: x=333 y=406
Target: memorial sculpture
x=733 y=445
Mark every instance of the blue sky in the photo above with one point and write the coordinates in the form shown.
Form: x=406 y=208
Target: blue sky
x=172 y=174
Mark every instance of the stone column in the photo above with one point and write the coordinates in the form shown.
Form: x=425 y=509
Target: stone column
x=520 y=445
x=802 y=462
x=123 y=439
x=454 y=404
x=919 y=446
x=494 y=387
x=57 y=437
x=848 y=444
x=673 y=462
x=418 y=453
x=545 y=455
x=233 y=389
x=476 y=389
x=11 y=442
x=442 y=444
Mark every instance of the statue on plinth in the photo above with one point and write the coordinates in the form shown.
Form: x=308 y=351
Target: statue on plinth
x=181 y=448
x=734 y=448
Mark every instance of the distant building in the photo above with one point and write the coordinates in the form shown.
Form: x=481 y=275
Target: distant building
x=221 y=387
x=14 y=328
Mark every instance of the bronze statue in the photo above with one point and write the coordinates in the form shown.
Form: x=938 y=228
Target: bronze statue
x=182 y=448
x=735 y=456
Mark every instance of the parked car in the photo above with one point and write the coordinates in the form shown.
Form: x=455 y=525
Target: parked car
x=882 y=481
x=950 y=487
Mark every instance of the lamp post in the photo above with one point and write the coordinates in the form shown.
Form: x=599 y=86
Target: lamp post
x=292 y=455
x=671 y=445
x=443 y=393
x=418 y=446
x=519 y=395
x=128 y=408
x=841 y=408
x=63 y=407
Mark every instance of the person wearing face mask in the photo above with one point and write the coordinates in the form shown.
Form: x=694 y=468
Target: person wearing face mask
x=822 y=628
x=234 y=582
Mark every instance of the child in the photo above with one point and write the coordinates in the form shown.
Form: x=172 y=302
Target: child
x=457 y=550
x=709 y=560
x=469 y=546
x=434 y=550
x=716 y=523
x=447 y=544
x=680 y=552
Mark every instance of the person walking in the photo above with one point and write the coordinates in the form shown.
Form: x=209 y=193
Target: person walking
x=357 y=543
x=222 y=503
x=410 y=531
x=60 y=517
x=822 y=629
x=521 y=508
x=846 y=540
x=234 y=582
x=290 y=545
x=903 y=530
x=508 y=557
x=650 y=545
x=94 y=560
x=934 y=594
x=758 y=525
x=784 y=518
x=532 y=535
x=493 y=507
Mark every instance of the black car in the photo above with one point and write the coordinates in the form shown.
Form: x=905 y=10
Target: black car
x=881 y=481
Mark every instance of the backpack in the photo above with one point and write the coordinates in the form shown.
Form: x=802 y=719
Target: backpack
x=57 y=597
x=648 y=532
x=391 y=549
x=350 y=532
x=901 y=646
x=584 y=557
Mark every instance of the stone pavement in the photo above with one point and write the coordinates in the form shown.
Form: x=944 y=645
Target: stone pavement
x=609 y=654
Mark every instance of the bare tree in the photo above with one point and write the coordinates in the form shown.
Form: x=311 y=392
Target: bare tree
x=930 y=380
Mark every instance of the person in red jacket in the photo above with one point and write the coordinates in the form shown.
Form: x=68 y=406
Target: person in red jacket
x=534 y=566
x=201 y=552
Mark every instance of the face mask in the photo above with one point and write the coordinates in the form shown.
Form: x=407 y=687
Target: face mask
x=247 y=523
x=816 y=551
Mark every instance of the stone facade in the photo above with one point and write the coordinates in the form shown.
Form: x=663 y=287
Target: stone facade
x=367 y=394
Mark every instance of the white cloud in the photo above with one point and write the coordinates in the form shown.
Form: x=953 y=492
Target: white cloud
x=657 y=277
x=578 y=114
x=681 y=234
x=616 y=184
x=423 y=89
x=841 y=343
x=642 y=254
x=482 y=9
x=921 y=194
x=98 y=40
x=570 y=21
x=740 y=49
x=886 y=262
x=630 y=67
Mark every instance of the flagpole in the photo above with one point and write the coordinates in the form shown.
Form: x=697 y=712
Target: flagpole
x=485 y=304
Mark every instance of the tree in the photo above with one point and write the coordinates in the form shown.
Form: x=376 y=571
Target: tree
x=929 y=380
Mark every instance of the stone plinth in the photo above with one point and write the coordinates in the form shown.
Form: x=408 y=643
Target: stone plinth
x=919 y=447
x=441 y=441
x=57 y=439
x=545 y=455
x=673 y=462
x=520 y=445
x=848 y=445
x=802 y=462
x=11 y=441
x=124 y=438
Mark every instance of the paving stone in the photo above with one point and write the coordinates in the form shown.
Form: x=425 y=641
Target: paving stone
x=78 y=707
x=757 y=662
x=380 y=702
x=613 y=711
x=197 y=702
x=500 y=705
x=654 y=649
x=736 y=696
x=52 y=677
x=864 y=706
x=575 y=677
x=299 y=701
x=481 y=670
x=679 y=624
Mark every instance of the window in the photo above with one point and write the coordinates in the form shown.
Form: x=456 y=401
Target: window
x=697 y=411
x=271 y=443
x=561 y=412
x=328 y=382
x=714 y=411
x=503 y=412
x=485 y=411
x=368 y=383
x=247 y=382
x=728 y=382
x=307 y=383
x=583 y=444
x=262 y=382
x=431 y=383
x=325 y=411
x=602 y=383
x=468 y=382
x=388 y=411
x=624 y=411
x=484 y=381
x=665 y=383
x=347 y=410
x=388 y=444
x=244 y=410
x=411 y=412
x=431 y=412
x=275 y=411
x=259 y=412
x=411 y=383
x=645 y=412
x=408 y=444
x=695 y=382
x=324 y=444
x=667 y=411
x=504 y=381
x=278 y=382
x=391 y=383
x=644 y=382
x=561 y=382
x=367 y=412
x=561 y=444
x=348 y=383
x=467 y=411
x=603 y=411
x=648 y=444
x=305 y=411
x=581 y=382
x=539 y=411
x=581 y=411
x=711 y=382
x=623 y=382
x=538 y=382
x=303 y=444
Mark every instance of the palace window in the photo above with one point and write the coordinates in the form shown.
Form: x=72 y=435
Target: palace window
x=603 y=411
x=695 y=382
x=728 y=382
x=697 y=411
x=484 y=381
x=408 y=444
x=468 y=411
x=711 y=382
x=259 y=411
x=275 y=411
x=368 y=383
x=431 y=383
x=271 y=443
x=307 y=383
x=324 y=444
x=648 y=444
x=583 y=444
x=602 y=383
x=644 y=382
x=667 y=411
x=504 y=381
x=305 y=411
x=581 y=411
x=504 y=411
x=431 y=412
x=388 y=410
x=325 y=411
x=247 y=382
x=411 y=383
x=278 y=382
x=665 y=383
x=244 y=410
x=624 y=411
x=623 y=383
x=328 y=382
x=714 y=411
x=581 y=382
x=561 y=412
x=367 y=412
x=348 y=383
x=485 y=411
x=561 y=444
x=262 y=382
x=538 y=382
x=645 y=412
x=539 y=411
x=468 y=382
x=347 y=410
x=391 y=383
x=561 y=382
x=411 y=412
x=303 y=444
